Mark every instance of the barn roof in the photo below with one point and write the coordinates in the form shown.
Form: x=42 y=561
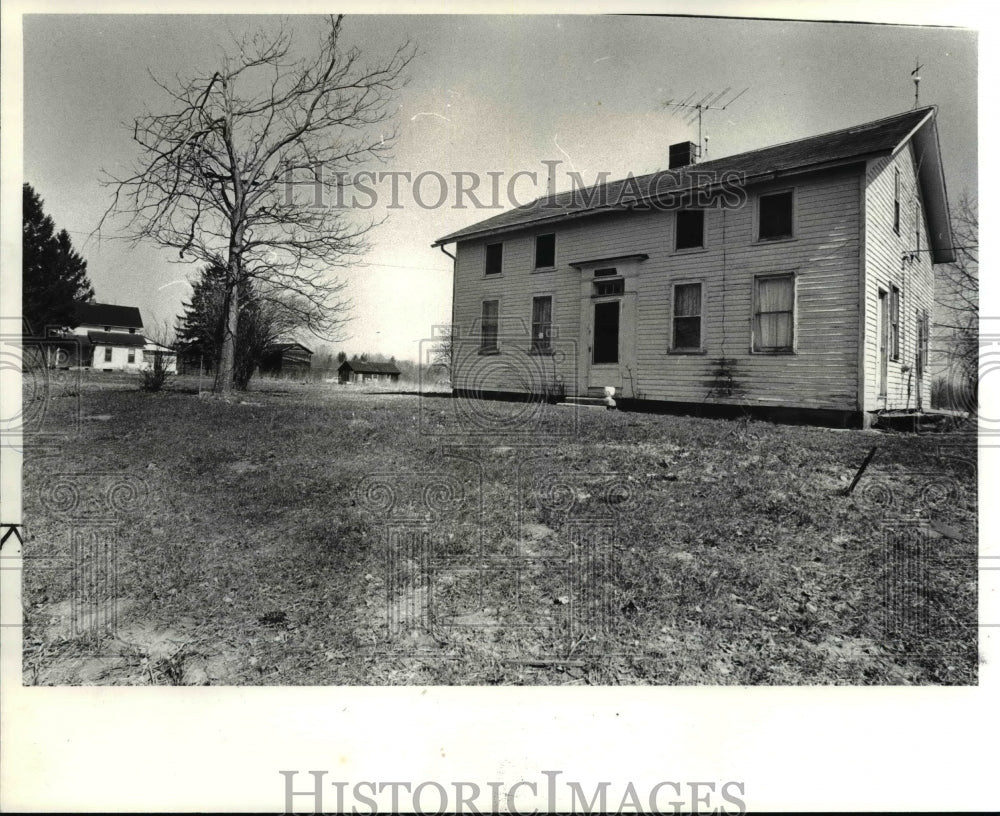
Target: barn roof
x=369 y=368
x=884 y=136
x=282 y=347
x=108 y=314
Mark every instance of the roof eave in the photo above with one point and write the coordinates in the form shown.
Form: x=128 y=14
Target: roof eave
x=930 y=172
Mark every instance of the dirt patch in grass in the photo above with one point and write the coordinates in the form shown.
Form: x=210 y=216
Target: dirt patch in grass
x=321 y=535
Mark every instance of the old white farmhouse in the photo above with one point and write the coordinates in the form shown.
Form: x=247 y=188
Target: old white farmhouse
x=797 y=278
x=109 y=338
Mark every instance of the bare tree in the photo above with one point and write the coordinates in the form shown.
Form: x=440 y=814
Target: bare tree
x=957 y=296
x=443 y=352
x=247 y=164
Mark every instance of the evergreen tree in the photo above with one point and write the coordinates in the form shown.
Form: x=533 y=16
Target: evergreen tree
x=54 y=275
x=261 y=323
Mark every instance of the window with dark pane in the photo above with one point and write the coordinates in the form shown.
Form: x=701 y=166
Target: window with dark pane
x=687 y=317
x=494 y=259
x=545 y=251
x=690 y=229
x=775 y=216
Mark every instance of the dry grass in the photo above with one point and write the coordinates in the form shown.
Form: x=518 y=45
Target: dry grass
x=269 y=542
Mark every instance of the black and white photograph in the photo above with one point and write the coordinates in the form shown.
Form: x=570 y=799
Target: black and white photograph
x=494 y=354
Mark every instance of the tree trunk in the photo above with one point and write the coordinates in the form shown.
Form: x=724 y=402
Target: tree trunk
x=227 y=357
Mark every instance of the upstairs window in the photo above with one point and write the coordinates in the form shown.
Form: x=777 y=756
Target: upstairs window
x=541 y=325
x=774 y=313
x=774 y=217
x=489 y=328
x=690 y=229
x=545 y=251
x=494 y=259
x=687 y=317
x=895 y=204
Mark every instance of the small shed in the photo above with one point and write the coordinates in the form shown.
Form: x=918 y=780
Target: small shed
x=355 y=371
x=287 y=359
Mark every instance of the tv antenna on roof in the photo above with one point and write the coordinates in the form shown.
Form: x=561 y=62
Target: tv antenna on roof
x=915 y=73
x=709 y=101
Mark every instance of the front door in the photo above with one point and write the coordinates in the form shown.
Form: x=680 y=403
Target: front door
x=606 y=323
x=883 y=343
x=606 y=347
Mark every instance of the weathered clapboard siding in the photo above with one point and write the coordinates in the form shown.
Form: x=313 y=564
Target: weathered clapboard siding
x=886 y=267
x=822 y=373
x=824 y=256
x=515 y=288
x=518 y=284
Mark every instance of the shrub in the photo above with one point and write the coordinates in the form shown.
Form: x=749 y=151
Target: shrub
x=154 y=377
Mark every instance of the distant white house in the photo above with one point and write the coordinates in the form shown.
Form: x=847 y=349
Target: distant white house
x=109 y=337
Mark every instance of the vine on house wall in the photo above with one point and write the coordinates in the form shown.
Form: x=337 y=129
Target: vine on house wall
x=724 y=382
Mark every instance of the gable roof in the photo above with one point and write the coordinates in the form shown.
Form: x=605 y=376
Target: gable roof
x=108 y=314
x=283 y=347
x=369 y=368
x=845 y=146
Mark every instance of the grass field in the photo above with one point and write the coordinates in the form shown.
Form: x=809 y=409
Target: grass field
x=317 y=534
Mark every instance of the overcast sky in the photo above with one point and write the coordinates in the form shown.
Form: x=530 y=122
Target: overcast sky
x=487 y=94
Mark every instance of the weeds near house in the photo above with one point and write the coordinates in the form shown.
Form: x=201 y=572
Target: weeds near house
x=155 y=377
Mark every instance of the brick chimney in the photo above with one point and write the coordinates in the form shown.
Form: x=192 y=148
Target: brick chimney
x=682 y=154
